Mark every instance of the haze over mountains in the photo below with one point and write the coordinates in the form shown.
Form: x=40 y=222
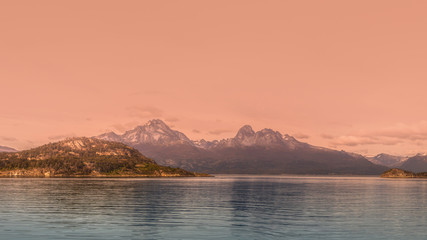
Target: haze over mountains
x=262 y=152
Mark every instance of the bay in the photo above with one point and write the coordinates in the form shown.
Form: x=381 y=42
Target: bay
x=223 y=207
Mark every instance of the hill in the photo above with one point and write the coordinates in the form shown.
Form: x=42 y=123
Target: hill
x=84 y=157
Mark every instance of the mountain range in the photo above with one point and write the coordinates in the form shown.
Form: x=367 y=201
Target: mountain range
x=416 y=164
x=388 y=160
x=249 y=152
x=7 y=149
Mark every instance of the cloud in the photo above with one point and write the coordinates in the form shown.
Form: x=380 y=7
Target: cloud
x=391 y=135
x=404 y=131
x=301 y=136
x=145 y=112
x=219 y=131
x=327 y=136
x=196 y=131
x=353 y=141
x=171 y=119
x=9 y=139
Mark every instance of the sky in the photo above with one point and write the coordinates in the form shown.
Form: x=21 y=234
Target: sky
x=347 y=75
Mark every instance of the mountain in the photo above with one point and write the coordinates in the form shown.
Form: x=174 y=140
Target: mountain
x=89 y=157
x=387 y=160
x=249 y=152
x=154 y=132
x=7 y=149
x=417 y=163
x=247 y=137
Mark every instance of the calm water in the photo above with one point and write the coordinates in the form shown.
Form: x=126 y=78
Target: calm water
x=224 y=207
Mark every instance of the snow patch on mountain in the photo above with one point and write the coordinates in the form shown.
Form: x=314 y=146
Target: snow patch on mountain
x=153 y=132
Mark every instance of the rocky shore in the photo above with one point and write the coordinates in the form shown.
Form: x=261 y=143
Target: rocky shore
x=399 y=173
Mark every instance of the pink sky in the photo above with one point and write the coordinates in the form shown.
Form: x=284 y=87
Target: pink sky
x=348 y=75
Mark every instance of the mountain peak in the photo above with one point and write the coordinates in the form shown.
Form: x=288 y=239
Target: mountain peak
x=268 y=137
x=388 y=160
x=156 y=123
x=110 y=136
x=268 y=131
x=153 y=132
x=244 y=132
x=246 y=136
x=382 y=155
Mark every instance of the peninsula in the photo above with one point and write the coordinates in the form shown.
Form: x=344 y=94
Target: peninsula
x=399 y=173
x=85 y=157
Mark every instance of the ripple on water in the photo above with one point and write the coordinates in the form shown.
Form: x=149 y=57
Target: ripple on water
x=224 y=207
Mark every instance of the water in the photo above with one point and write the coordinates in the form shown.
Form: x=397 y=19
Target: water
x=224 y=207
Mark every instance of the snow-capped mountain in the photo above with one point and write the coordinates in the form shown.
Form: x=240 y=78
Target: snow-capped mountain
x=247 y=137
x=7 y=149
x=110 y=136
x=154 y=132
x=387 y=160
x=265 y=151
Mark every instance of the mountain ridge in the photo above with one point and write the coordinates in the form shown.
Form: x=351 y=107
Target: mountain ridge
x=7 y=149
x=417 y=163
x=262 y=152
x=388 y=160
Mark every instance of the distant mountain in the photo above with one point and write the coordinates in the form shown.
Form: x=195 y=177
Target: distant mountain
x=247 y=137
x=263 y=152
x=83 y=157
x=417 y=164
x=154 y=132
x=7 y=149
x=387 y=160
